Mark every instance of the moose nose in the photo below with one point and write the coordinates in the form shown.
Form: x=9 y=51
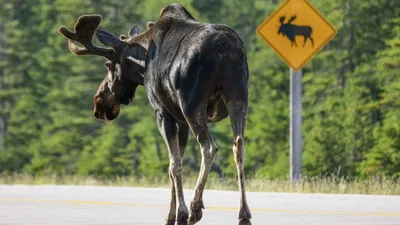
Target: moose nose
x=96 y=114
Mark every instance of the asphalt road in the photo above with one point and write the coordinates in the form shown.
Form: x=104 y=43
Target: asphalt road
x=87 y=205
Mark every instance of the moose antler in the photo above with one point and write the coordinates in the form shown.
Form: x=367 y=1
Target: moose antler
x=291 y=19
x=282 y=19
x=85 y=28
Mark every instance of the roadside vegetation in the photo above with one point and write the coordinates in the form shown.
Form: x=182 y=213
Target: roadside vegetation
x=328 y=185
x=351 y=106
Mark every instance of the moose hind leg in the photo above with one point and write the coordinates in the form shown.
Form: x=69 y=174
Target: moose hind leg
x=168 y=129
x=312 y=40
x=198 y=124
x=238 y=151
x=237 y=107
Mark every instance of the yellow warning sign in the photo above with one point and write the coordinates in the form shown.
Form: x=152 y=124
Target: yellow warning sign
x=296 y=31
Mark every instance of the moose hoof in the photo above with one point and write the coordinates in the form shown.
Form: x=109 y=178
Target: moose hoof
x=244 y=221
x=196 y=212
x=195 y=216
x=182 y=221
x=169 y=222
x=170 y=219
x=182 y=218
x=244 y=215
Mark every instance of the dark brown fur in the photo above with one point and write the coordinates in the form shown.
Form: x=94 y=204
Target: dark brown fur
x=193 y=74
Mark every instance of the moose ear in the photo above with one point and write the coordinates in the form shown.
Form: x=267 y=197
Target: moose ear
x=108 y=39
x=133 y=31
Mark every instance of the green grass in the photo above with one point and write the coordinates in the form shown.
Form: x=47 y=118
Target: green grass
x=333 y=185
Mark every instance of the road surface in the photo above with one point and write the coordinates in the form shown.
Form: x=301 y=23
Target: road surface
x=87 y=205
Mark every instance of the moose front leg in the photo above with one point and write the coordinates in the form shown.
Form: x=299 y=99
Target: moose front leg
x=169 y=131
x=183 y=135
x=170 y=220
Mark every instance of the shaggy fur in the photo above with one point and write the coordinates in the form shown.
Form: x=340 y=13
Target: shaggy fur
x=193 y=73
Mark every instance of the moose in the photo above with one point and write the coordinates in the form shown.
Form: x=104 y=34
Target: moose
x=193 y=73
x=291 y=31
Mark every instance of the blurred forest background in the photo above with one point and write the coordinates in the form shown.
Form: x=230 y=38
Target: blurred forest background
x=351 y=94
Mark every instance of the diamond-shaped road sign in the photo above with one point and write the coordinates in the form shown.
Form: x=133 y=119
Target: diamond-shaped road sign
x=296 y=31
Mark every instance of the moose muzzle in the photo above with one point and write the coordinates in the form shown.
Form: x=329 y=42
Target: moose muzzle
x=103 y=111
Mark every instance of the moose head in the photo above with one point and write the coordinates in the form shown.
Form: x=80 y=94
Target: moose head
x=283 y=28
x=290 y=31
x=124 y=63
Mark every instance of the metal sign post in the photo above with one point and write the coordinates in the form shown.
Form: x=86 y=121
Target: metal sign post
x=296 y=31
x=295 y=125
x=2 y=121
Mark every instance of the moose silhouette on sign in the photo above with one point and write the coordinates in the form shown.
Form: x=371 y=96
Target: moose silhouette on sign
x=291 y=31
